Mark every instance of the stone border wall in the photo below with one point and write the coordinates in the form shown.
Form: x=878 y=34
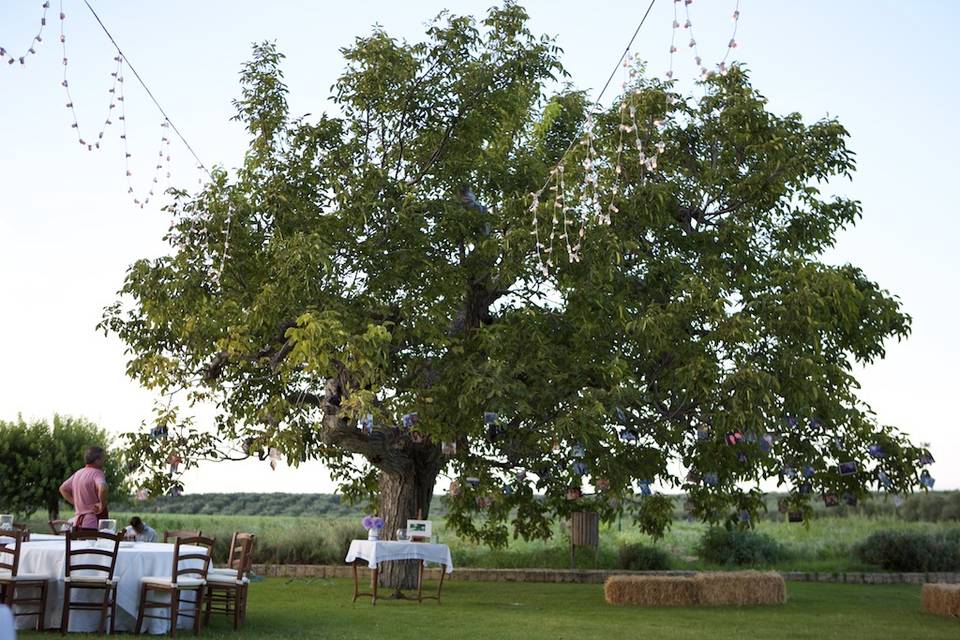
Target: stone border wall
x=590 y=576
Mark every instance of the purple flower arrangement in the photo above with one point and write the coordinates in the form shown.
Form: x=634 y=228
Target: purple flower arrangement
x=372 y=522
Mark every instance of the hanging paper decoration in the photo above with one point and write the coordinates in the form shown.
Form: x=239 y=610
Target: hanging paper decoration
x=645 y=487
x=574 y=493
x=733 y=438
x=806 y=488
x=848 y=468
x=579 y=468
x=621 y=416
x=158 y=432
x=831 y=500
x=766 y=442
x=484 y=502
x=274 y=455
x=555 y=447
x=795 y=516
x=926 y=458
x=693 y=477
x=507 y=490
x=410 y=419
x=601 y=484
x=34 y=43
x=417 y=438
x=473 y=482
x=744 y=515
x=926 y=479
x=577 y=451
x=520 y=476
x=454 y=488
x=791 y=421
x=142 y=494
x=876 y=451
x=815 y=424
x=783 y=506
x=849 y=499
x=788 y=472
x=897 y=501
x=710 y=478
x=742 y=457
x=750 y=436
x=703 y=434
x=448 y=448
x=490 y=417
x=175 y=492
x=884 y=479
x=808 y=471
x=366 y=423
x=628 y=435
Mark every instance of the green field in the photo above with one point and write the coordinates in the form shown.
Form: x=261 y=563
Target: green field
x=822 y=544
x=483 y=610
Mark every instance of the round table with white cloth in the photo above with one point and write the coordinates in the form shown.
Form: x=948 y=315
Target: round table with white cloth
x=134 y=561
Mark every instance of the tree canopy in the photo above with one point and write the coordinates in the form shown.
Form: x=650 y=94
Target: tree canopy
x=381 y=293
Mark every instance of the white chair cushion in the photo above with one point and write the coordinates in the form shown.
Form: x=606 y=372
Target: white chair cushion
x=88 y=580
x=23 y=577
x=221 y=570
x=183 y=583
x=222 y=578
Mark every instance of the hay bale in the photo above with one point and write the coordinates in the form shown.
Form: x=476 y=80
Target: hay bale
x=651 y=591
x=941 y=599
x=740 y=588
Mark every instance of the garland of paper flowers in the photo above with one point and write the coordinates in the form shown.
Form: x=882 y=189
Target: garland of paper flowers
x=32 y=49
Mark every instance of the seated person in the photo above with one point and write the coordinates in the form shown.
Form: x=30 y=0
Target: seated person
x=140 y=531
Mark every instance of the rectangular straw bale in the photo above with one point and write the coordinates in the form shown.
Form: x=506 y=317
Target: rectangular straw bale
x=651 y=591
x=941 y=599
x=740 y=588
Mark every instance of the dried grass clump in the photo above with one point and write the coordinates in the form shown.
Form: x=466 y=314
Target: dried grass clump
x=651 y=591
x=741 y=588
x=941 y=599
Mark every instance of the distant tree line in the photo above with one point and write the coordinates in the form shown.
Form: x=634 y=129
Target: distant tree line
x=36 y=457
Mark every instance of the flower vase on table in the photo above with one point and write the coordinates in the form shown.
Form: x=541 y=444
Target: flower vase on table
x=373 y=525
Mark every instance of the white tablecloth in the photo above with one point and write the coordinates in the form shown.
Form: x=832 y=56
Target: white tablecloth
x=34 y=537
x=7 y=632
x=133 y=562
x=375 y=552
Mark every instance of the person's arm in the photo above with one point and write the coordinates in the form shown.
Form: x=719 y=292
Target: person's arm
x=66 y=489
x=102 y=491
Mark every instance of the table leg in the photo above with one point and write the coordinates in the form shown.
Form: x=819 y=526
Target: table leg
x=356 y=582
x=420 y=583
x=376 y=581
x=443 y=572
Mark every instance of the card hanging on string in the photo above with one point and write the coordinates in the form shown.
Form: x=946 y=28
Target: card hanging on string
x=806 y=489
x=926 y=458
x=579 y=468
x=507 y=490
x=628 y=435
x=744 y=516
x=831 y=500
x=848 y=468
x=366 y=423
x=520 y=476
x=795 y=516
x=473 y=481
x=710 y=478
x=454 y=488
x=742 y=457
x=926 y=479
x=574 y=493
x=788 y=471
x=849 y=499
x=876 y=451
x=808 y=471
x=490 y=417
x=645 y=489
x=448 y=449
x=703 y=434
x=410 y=419
x=601 y=484
x=577 y=451
x=884 y=479
x=733 y=438
x=621 y=416
x=417 y=437
x=766 y=443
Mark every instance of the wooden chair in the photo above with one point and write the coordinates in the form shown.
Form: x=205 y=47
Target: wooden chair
x=11 y=581
x=184 y=578
x=60 y=527
x=227 y=587
x=24 y=529
x=170 y=536
x=81 y=572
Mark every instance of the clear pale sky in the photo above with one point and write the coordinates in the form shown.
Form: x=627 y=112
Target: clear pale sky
x=68 y=229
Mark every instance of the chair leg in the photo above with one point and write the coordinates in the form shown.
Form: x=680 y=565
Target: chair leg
x=104 y=608
x=174 y=611
x=42 y=614
x=236 y=609
x=140 y=612
x=198 y=605
x=65 y=618
x=208 y=606
x=113 y=611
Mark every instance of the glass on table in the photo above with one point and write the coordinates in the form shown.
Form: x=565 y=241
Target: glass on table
x=402 y=535
x=107 y=526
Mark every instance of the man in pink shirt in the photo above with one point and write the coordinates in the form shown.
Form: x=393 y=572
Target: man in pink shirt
x=86 y=490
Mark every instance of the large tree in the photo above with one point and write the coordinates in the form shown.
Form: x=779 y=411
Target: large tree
x=383 y=260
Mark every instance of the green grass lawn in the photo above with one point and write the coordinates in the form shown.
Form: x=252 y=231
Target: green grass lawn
x=322 y=609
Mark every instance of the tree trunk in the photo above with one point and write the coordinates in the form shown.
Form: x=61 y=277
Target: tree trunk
x=403 y=496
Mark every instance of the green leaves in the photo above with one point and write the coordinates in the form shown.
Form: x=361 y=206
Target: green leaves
x=382 y=263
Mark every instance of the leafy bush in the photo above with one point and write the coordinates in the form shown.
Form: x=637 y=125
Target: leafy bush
x=939 y=506
x=639 y=557
x=912 y=551
x=732 y=546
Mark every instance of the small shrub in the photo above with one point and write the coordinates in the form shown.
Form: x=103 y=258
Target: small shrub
x=911 y=551
x=639 y=557
x=735 y=547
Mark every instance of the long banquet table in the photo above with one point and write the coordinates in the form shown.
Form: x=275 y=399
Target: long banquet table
x=134 y=561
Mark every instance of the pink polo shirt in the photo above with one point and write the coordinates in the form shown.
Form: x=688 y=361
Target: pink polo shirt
x=84 y=485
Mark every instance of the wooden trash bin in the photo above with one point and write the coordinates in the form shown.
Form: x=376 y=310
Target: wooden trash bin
x=584 y=532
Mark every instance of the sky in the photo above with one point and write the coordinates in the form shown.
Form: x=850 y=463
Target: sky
x=69 y=229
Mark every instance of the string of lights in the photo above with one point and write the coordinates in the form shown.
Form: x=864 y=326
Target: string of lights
x=37 y=39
